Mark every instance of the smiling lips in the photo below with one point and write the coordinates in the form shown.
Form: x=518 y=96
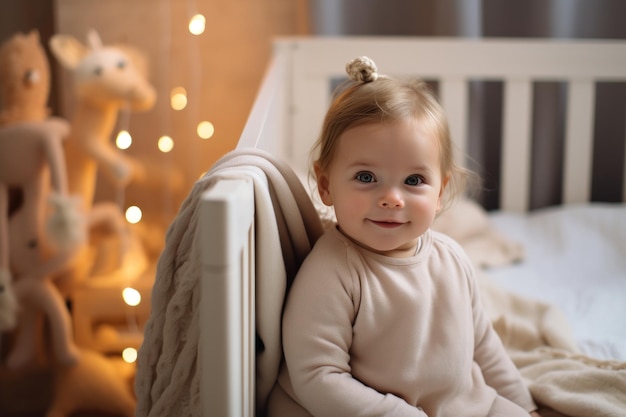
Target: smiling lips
x=387 y=224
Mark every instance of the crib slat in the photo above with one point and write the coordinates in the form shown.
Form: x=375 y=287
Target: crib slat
x=579 y=142
x=227 y=293
x=516 y=145
x=454 y=99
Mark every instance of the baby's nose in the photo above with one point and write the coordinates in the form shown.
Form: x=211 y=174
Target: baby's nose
x=392 y=198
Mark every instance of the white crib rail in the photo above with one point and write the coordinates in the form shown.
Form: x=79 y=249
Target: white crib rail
x=227 y=307
x=454 y=62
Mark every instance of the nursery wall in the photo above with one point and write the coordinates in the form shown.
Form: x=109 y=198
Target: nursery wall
x=221 y=70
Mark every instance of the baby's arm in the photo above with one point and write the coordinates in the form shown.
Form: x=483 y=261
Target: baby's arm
x=497 y=367
x=534 y=414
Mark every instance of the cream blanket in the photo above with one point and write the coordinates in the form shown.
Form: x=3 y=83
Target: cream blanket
x=536 y=335
x=287 y=225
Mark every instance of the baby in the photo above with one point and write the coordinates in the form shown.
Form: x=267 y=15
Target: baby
x=384 y=316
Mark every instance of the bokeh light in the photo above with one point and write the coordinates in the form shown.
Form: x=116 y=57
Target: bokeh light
x=165 y=144
x=123 y=140
x=197 y=24
x=133 y=214
x=205 y=129
x=131 y=296
x=129 y=355
x=178 y=98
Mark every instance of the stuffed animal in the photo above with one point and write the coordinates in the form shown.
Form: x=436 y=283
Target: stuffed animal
x=106 y=79
x=33 y=163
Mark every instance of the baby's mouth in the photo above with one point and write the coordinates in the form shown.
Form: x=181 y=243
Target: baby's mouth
x=388 y=224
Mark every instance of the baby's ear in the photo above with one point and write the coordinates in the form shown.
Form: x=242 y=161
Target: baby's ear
x=323 y=185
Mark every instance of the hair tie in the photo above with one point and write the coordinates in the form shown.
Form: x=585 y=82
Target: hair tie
x=362 y=69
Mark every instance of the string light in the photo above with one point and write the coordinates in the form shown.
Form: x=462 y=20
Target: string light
x=205 y=129
x=197 y=24
x=165 y=144
x=123 y=140
x=178 y=98
x=129 y=355
x=131 y=296
x=133 y=214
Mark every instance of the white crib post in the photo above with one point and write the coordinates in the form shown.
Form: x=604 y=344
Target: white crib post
x=227 y=342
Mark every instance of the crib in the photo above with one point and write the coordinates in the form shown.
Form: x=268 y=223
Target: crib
x=286 y=118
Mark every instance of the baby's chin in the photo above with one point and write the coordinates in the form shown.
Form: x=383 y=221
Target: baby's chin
x=393 y=251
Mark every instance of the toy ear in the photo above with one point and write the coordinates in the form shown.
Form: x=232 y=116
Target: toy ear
x=68 y=50
x=93 y=39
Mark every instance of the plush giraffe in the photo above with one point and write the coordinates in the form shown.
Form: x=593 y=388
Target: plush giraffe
x=106 y=78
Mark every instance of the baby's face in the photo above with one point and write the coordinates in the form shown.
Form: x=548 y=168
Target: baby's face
x=385 y=184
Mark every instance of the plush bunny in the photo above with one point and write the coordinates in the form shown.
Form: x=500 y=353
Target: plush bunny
x=32 y=164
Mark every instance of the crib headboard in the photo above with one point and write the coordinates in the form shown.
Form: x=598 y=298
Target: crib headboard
x=288 y=113
x=286 y=118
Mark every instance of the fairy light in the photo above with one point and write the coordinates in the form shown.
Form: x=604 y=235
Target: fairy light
x=133 y=214
x=197 y=24
x=129 y=355
x=131 y=296
x=165 y=144
x=123 y=140
x=205 y=129
x=178 y=98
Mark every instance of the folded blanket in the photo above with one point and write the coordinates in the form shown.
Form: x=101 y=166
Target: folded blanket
x=287 y=225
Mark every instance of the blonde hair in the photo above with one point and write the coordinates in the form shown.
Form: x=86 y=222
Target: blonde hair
x=378 y=99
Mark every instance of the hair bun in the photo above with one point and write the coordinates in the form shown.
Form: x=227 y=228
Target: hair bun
x=362 y=69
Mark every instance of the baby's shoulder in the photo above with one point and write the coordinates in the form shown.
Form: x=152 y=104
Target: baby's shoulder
x=444 y=244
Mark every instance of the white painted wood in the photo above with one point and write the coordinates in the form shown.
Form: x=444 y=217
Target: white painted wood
x=266 y=126
x=577 y=167
x=227 y=294
x=516 y=146
x=454 y=97
x=315 y=61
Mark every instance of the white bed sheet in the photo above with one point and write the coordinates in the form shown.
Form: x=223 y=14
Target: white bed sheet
x=576 y=260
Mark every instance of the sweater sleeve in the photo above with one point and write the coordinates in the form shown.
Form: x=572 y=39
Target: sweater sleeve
x=497 y=367
x=317 y=335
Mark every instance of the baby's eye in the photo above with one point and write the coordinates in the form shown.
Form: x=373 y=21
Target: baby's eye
x=364 y=177
x=413 y=180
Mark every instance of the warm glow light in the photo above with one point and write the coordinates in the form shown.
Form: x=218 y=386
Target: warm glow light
x=205 y=129
x=129 y=355
x=197 y=24
x=133 y=214
x=178 y=98
x=131 y=296
x=165 y=144
x=123 y=140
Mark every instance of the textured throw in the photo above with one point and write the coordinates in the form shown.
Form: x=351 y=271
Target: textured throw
x=287 y=225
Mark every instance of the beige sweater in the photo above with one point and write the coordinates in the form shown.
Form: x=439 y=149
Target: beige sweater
x=369 y=335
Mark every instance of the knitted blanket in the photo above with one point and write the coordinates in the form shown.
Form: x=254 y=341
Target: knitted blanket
x=167 y=381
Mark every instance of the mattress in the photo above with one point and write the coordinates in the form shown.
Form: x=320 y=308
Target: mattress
x=575 y=259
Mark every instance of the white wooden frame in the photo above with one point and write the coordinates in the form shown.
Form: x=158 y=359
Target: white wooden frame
x=286 y=118
x=298 y=85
